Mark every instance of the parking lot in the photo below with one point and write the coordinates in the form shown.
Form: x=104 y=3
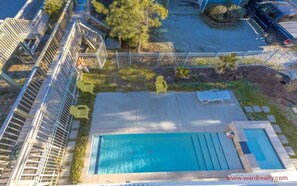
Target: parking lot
x=186 y=31
x=189 y=33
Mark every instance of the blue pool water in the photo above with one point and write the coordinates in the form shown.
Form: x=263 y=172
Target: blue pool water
x=166 y=152
x=260 y=146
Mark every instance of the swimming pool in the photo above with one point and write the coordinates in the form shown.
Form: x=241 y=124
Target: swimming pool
x=259 y=145
x=162 y=152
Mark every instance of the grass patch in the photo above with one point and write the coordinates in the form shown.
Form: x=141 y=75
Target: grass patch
x=82 y=140
x=110 y=79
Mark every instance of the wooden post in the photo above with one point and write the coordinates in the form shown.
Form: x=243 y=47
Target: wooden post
x=22 y=113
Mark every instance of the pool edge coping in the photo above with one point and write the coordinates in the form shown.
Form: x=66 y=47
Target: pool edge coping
x=248 y=160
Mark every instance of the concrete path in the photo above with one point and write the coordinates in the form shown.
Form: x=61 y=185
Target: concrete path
x=147 y=110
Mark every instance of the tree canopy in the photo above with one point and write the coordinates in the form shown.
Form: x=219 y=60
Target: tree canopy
x=99 y=7
x=52 y=7
x=131 y=20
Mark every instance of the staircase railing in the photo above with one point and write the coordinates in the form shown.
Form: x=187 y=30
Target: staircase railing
x=51 y=122
x=96 y=23
x=11 y=129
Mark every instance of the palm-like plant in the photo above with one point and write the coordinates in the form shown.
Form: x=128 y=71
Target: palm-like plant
x=182 y=72
x=292 y=86
x=227 y=62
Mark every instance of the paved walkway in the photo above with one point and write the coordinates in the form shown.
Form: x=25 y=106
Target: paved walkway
x=147 y=110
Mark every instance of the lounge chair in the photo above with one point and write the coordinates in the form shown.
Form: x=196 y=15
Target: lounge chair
x=213 y=95
x=85 y=86
x=161 y=85
x=80 y=111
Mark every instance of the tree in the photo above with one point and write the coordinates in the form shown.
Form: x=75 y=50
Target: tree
x=99 y=7
x=227 y=62
x=52 y=7
x=131 y=20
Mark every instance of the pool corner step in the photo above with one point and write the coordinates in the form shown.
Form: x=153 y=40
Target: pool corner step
x=230 y=152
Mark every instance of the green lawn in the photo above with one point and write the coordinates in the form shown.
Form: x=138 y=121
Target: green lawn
x=111 y=79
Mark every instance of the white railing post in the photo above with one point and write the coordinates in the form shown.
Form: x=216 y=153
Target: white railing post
x=158 y=59
x=218 y=54
x=270 y=57
x=117 y=59
x=130 y=59
x=186 y=59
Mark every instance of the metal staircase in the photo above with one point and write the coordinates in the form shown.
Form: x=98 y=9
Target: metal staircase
x=14 y=130
x=40 y=119
x=97 y=24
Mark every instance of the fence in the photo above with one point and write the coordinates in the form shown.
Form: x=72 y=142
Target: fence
x=13 y=128
x=198 y=60
x=96 y=59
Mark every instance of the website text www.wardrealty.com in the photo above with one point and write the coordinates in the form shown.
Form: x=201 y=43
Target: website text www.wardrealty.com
x=257 y=178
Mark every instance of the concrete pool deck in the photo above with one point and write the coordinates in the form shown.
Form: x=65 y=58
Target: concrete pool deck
x=175 y=110
x=145 y=112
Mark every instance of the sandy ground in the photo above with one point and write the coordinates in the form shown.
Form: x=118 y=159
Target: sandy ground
x=9 y=8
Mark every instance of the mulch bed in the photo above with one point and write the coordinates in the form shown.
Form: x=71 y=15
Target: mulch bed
x=270 y=81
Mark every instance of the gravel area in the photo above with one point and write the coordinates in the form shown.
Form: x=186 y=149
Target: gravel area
x=189 y=33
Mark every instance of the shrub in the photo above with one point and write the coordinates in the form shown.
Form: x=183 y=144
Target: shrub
x=217 y=13
x=234 y=13
x=227 y=62
x=224 y=13
x=53 y=7
x=182 y=72
x=292 y=86
x=209 y=7
x=99 y=7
